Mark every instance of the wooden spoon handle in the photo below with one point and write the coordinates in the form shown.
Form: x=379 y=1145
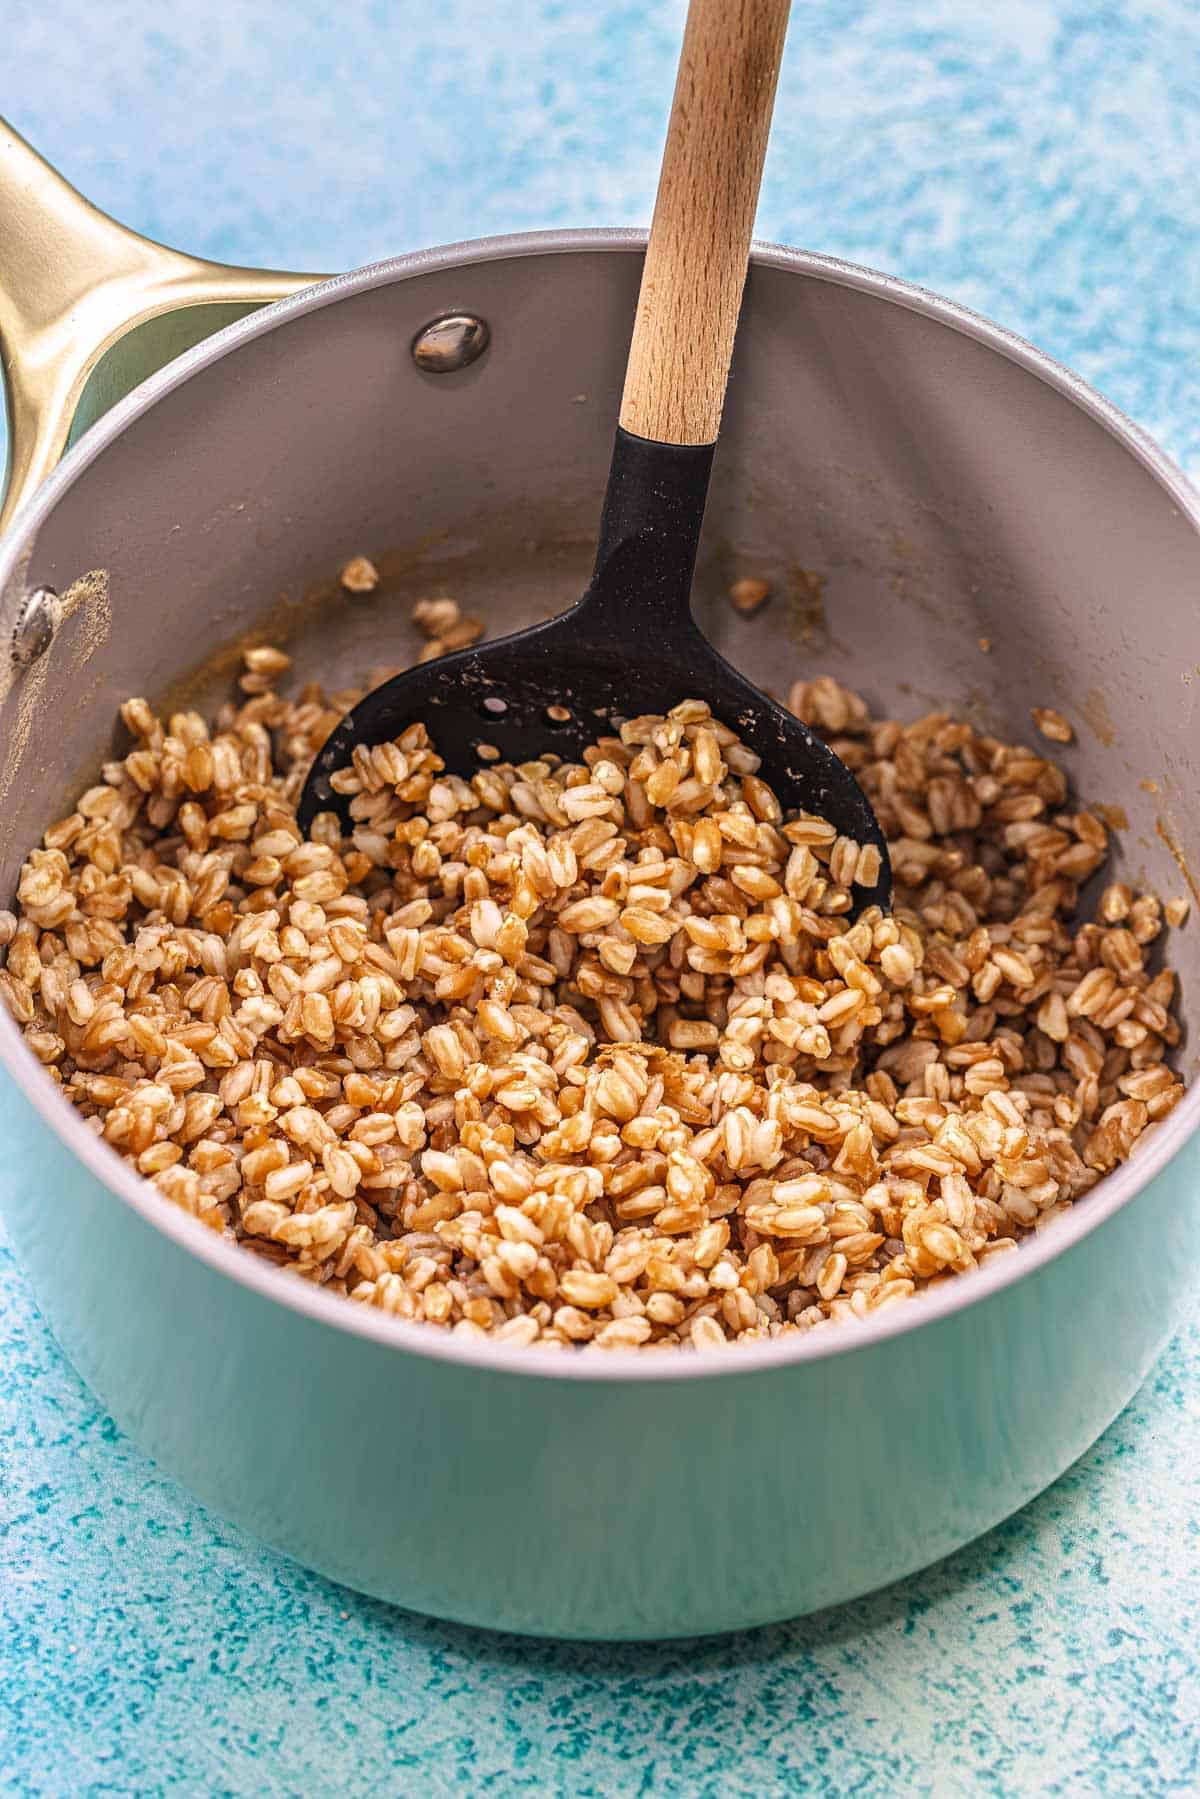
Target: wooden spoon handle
x=703 y=219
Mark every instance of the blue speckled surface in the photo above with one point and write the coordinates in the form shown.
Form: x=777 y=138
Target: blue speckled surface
x=1036 y=159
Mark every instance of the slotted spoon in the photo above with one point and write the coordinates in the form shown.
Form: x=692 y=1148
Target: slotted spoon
x=631 y=645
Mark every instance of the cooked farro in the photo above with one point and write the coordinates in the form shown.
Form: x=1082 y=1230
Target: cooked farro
x=748 y=594
x=1053 y=725
x=445 y=627
x=592 y=1054
x=360 y=575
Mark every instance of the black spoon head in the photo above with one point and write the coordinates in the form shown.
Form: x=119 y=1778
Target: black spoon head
x=555 y=687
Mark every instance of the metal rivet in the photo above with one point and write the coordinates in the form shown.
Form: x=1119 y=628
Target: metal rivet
x=449 y=343
x=35 y=626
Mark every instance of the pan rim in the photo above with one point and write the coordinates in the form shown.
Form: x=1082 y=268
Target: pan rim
x=613 y=1367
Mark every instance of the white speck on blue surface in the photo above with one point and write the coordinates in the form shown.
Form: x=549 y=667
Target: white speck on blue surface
x=1035 y=158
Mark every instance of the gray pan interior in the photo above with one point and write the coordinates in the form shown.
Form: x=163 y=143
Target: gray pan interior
x=943 y=484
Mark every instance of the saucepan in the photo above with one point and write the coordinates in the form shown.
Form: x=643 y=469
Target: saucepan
x=946 y=518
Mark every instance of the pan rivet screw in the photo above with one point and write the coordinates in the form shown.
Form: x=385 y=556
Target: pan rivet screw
x=452 y=342
x=35 y=626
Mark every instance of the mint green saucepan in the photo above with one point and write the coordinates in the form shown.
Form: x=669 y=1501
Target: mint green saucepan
x=950 y=484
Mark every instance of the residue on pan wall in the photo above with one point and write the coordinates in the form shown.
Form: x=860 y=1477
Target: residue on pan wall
x=282 y=624
x=806 y=605
x=1172 y=843
x=1093 y=708
x=57 y=671
x=1115 y=817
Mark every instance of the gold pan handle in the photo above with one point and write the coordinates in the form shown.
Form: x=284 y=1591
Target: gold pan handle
x=88 y=309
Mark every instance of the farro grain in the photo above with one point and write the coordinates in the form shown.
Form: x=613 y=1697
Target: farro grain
x=360 y=575
x=748 y=594
x=592 y=1054
x=1053 y=725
